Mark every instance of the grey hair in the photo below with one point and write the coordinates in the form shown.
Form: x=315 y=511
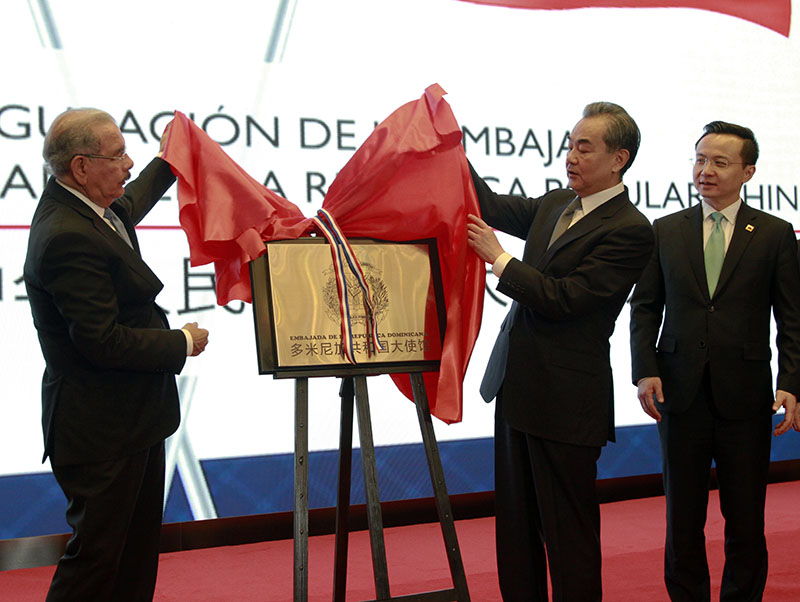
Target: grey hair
x=72 y=132
x=621 y=131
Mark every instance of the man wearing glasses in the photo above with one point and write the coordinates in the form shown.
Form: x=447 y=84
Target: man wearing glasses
x=718 y=271
x=109 y=397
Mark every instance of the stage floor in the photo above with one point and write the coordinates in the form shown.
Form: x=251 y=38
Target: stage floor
x=632 y=534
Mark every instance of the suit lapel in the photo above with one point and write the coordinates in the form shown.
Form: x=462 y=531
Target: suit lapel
x=109 y=234
x=131 y=256
x=692 y=238
x=582 y=227
x=746 y=225
x=125 y=219
x=541 y=237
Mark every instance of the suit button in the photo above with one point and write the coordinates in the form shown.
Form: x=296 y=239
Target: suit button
x=711 y=308
x=702 y=344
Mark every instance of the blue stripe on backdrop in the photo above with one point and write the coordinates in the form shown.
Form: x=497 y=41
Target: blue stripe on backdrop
x=34 y=505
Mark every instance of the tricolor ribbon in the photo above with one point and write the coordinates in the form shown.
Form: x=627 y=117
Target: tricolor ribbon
x=344 y=258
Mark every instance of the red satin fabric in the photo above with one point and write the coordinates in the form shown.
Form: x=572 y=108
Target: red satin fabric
x=773 y=14
x=409 y=180
x=226 y=214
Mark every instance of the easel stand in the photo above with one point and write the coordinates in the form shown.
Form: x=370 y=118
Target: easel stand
x=355 y=387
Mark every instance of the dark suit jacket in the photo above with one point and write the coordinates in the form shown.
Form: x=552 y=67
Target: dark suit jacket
x=108 y=388
x=557 y=382
x=731 y=330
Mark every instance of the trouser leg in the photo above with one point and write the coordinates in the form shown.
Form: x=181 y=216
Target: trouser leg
x=102 y=501
x=565 y=481
x=138 y=568
x=686 y=448
x=521 y=559
x=741 y=453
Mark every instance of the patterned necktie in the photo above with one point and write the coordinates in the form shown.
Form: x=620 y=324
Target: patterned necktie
x=715 y=253
x=117 y=224
x=564 y=221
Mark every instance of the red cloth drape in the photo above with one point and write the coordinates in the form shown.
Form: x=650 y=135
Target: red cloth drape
x=226 y=214
x=773 y=14
x=409 y=180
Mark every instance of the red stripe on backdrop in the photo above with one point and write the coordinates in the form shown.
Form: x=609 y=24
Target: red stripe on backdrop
x=158 y=228
x=772 y=14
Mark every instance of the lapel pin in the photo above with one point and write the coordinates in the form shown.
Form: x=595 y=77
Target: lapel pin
x=749 y=227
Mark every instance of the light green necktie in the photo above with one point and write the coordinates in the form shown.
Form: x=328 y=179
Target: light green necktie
x=715 y=253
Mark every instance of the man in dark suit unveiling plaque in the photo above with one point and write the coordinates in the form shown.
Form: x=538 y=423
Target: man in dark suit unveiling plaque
x=109 y=397
x=550 y=369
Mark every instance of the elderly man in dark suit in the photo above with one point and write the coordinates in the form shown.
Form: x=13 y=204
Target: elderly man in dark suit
x=550 y=369
x=109 y=397
x=719 y=271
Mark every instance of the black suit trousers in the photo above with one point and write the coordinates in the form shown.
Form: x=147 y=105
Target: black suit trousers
x=545 y=499
x=740 y=449
x=115 y=510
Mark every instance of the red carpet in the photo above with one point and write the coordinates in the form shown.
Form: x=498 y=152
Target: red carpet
x=633 y=533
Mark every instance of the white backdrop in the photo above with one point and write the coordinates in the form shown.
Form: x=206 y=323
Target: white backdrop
x=517 y=81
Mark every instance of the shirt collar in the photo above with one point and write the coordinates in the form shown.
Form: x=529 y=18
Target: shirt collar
x=729 y=212
x=94 y=206
x=593 y=201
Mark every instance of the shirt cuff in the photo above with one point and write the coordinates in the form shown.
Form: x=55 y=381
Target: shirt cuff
x=500 y=263
x=189 y=342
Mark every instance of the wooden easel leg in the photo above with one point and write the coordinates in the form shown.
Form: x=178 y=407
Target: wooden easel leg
x=374 y=516
x=347 y=392
x=301 y=490
x=440 y=489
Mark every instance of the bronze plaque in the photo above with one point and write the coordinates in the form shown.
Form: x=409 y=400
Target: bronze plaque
x=301 y=307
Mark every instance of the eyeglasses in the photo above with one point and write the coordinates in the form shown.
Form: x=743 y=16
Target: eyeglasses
x=110 y=158
x=718 y=163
